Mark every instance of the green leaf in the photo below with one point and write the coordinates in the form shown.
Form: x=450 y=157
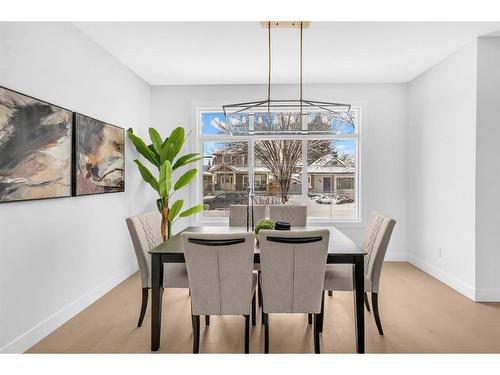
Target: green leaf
x=168 y=180
x=147 y=175
x=165 y=178
x=175 y=209
x=163 y=154
x=156 y=139
x=170 y=152
x=191 y=211
x=179 y=139
x=186 y=159
x=151 y=147
x=164 y=142
x=141 y=147
x=185 y=179
x=174 y=143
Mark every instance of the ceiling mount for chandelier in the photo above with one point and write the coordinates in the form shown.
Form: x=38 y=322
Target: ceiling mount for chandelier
x=301 y=106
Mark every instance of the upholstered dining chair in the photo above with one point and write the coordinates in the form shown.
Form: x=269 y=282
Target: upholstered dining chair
x=221 y=278
x=295 y=215
x=339 y=277
x=293 y=268
x=238 y=215
x=145 y=233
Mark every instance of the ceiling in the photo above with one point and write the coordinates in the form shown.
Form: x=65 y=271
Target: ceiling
x=172 y=53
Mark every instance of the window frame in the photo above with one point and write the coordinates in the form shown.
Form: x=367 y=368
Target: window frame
x=359 y=138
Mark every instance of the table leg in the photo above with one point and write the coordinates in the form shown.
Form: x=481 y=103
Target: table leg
x=156 y=300
x=359 y=311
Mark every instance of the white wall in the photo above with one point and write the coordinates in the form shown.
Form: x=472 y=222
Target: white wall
x=441 y=169
x=488 y=171
x=59 y=255
x=384 y=111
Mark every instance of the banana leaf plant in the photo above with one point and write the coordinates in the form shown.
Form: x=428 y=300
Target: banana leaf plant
x=164 y=155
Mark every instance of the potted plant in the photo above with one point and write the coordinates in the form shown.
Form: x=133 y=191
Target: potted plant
x=263 y=224
x=164 y=155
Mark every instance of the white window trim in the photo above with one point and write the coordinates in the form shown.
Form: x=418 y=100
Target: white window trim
x=360 y=137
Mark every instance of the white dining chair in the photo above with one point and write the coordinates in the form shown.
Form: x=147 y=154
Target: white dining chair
x=238 y=215
x=339 y=277
x=295 y=215
x=145 y=233
x=220 y=272
x=293 y=272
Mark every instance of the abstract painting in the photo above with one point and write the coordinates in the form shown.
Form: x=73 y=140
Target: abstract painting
x=35 y=148
x=99 y=152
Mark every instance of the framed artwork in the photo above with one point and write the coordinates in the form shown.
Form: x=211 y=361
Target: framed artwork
x=35 y=148
x=99 y=157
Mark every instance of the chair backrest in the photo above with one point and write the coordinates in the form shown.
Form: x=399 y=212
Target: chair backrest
x=238 y=215
x=293 y=270
x=220 y=268
x=295 y=215
x=144 y=230
x=375 y=242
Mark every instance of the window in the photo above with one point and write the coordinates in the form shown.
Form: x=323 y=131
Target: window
x=345 y=183
x=223 y=176
x=283 y=164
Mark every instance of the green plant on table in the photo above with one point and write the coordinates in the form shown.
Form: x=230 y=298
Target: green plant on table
x=264 y=224
x=164 y=155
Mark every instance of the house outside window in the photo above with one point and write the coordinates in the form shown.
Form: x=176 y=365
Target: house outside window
x=319 y=168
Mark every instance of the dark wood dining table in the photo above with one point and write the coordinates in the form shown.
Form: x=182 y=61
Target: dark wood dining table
x=341 y=250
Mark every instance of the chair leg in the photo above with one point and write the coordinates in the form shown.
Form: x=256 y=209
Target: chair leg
x=376 y=313
x=316 y=334
x=207 y=320
x=322 y=314
x=367 y=303
x=309 y=318
x=262 y=315
x=247 y=334
x=196 y=334
x=259 y=289
x=254 y=310
x=330 y=293
x=144 y=306
x=266 y=333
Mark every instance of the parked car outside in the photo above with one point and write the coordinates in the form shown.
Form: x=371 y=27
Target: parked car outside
x=224 y=200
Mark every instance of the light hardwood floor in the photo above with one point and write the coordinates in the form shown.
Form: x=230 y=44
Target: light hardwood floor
x=419 y=315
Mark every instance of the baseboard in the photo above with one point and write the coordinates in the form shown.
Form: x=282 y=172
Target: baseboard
x=396 y=256
x=488 y=295
x=42 y=329
x=443 y=276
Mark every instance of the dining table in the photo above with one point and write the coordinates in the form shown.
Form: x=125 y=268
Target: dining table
x=341 y=250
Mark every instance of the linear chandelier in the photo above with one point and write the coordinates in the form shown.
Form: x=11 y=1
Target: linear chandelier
x=301 y=106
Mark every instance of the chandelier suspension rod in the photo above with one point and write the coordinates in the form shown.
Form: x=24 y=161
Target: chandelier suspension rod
x=301 y=61
x=301 y=24
x=269 y=63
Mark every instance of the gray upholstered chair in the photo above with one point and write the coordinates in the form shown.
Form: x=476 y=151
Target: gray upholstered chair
x=221 y=278
x=293 y=268
x=340 y=276
x=238 y=215
x=295 y=215
x=145 y=233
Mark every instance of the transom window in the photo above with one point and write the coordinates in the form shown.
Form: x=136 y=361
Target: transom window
x=313 y=162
